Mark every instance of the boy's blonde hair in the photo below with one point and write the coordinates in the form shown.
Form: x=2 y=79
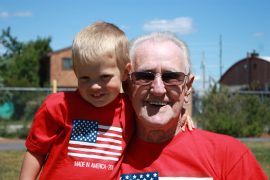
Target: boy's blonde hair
x=99 y=40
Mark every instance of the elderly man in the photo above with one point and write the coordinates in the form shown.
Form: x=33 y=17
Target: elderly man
x=160 y=82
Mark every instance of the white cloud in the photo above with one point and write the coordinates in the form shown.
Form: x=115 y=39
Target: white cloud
x=181 y=25
x=5 y=14
x=23 y=14
x=258 y=34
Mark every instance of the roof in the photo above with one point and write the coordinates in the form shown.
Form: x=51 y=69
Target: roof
x=60 y=50
x=267 y=58
x=252 y=55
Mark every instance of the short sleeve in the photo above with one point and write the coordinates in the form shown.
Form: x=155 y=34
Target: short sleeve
x=247 y=167
x=44 y=130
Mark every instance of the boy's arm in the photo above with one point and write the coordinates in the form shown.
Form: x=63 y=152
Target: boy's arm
x=31 y=165
x=186 y=121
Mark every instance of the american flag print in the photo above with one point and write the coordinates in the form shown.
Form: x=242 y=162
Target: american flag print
x=155 y=176
x=89 y=140
x=140 y=176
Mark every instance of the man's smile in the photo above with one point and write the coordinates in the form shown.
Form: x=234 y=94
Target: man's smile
x=157 y=103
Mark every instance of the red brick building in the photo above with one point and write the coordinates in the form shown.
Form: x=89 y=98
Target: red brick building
x=250 y=73
x=58 y=66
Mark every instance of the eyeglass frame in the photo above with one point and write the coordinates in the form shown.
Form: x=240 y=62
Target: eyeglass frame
x=156 y=74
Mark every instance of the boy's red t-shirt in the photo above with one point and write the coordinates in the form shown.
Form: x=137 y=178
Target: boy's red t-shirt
x=82 y=141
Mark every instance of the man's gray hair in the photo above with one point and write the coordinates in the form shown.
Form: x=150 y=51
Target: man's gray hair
x=160 y=36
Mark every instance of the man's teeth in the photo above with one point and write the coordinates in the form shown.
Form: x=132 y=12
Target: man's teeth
x=157 y=103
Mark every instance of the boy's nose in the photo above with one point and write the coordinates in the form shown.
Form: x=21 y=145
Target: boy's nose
x=95 y=86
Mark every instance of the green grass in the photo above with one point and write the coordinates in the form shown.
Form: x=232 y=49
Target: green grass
x=10 y=164
x=10 y=161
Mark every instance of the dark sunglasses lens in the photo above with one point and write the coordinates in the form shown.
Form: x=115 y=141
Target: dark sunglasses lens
x=173 y=77
x=169 y=78
x=148 y=76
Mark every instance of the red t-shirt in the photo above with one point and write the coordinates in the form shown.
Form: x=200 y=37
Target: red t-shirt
x=198 y=154
x=82 y=141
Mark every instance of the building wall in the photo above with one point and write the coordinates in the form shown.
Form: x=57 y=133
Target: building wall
x=64 y=77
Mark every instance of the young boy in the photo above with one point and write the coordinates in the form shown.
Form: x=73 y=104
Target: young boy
x=82 y=134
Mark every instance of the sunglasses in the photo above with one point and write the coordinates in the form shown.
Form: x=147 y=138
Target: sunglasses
x=168 y=78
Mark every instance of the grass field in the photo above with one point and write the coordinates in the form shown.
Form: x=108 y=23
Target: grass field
x=10 y=161
x=10 y=164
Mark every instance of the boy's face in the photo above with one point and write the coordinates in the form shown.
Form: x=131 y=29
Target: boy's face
x=99 y=82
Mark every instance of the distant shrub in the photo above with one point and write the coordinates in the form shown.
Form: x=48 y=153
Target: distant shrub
x=234 y=114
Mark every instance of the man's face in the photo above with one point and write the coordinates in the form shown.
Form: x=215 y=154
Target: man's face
x=158 y=105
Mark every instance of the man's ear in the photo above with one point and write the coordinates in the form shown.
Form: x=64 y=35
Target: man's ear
x=190 y=80
x=188 y=91
x=126 y=72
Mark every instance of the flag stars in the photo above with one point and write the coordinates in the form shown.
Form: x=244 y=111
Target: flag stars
x=84 y=130
x=141 y=176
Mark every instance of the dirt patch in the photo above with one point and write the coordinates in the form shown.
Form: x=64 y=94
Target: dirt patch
x=11 y=140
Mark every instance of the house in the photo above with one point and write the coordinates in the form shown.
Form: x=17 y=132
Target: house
x=58 y=66
x=250 y=73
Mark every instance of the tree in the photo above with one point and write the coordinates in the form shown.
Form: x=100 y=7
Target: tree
x=233 y=113
x=20 y=66
x=19 y=63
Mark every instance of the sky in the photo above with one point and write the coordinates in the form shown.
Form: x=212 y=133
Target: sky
x=218 y=33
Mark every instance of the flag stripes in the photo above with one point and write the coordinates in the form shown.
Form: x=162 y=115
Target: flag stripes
x=91 y=140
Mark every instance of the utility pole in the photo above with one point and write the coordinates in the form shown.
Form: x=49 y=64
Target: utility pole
x=203 y=70
x=220 y=56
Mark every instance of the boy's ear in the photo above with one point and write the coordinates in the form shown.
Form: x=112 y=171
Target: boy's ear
x=126 y=71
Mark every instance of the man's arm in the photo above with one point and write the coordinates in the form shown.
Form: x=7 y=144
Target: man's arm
x=31 y=165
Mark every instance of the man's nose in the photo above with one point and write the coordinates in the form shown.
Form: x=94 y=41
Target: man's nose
x=158 y=87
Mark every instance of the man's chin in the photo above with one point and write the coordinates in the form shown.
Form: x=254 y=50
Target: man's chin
x=156 y=118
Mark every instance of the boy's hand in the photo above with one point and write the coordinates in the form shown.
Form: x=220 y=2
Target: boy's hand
x=187 y=122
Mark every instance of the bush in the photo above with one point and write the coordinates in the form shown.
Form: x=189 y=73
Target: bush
x=23 y=132
x=234 y=114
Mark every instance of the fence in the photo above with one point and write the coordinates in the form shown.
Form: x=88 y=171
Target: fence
x=198 y=97
x=21 y=103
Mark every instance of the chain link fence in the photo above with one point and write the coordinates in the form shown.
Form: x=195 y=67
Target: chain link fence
x=18 y=106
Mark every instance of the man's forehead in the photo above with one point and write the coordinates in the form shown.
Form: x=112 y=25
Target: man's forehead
x=156 y=66
x=163 y=54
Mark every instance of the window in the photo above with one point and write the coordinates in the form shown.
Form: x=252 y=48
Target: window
x=67 y=63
